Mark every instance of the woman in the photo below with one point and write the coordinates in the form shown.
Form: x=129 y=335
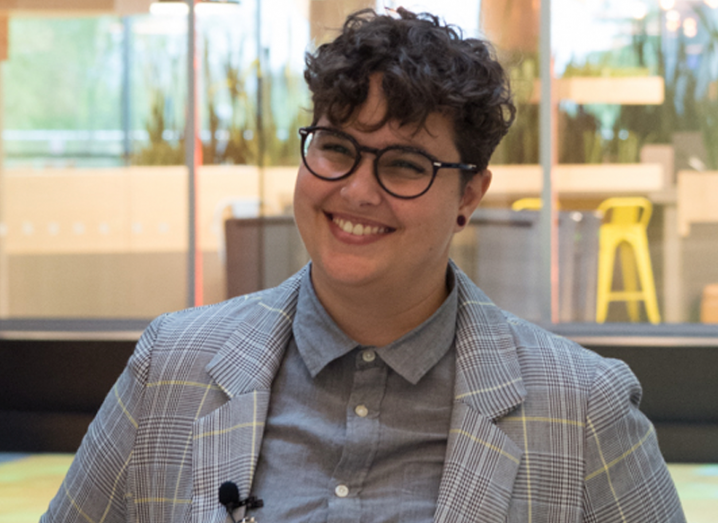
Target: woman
x=379 y=383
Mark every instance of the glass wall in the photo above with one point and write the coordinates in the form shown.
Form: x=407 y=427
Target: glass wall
x=634 y=97
x=95 y=203
x=638 y=111
x=94 y=190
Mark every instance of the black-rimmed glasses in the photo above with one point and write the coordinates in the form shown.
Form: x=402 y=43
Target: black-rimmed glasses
x=402 y=171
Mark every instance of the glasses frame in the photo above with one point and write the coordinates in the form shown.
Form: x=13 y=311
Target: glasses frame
x=304 y=132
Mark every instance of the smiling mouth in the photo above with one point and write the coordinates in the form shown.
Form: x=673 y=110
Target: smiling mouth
x=358 y=229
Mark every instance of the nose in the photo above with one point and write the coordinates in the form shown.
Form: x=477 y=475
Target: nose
x=362 y=187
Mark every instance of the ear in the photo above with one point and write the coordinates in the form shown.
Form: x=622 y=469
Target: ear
x=473 y=194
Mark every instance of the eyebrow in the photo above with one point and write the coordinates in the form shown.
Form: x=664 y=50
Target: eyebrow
x=379 y=149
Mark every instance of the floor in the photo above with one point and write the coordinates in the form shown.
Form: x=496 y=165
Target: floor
x=28 y=482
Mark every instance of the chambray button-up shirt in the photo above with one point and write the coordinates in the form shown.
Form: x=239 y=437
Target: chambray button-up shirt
x=357 y=433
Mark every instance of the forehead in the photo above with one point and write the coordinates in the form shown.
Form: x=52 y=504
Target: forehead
x=367 y=125
x=371 y=115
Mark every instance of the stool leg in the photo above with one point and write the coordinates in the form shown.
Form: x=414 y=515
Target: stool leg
x=606 y=258
x=630 y=281
x=645 y=273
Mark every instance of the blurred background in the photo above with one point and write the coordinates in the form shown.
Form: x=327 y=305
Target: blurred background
x=94 y=201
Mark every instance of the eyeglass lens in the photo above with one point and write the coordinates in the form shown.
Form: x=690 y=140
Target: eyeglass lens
x=400 y=171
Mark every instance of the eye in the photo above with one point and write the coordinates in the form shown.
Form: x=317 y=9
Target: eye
x=402 y=164
x=406 y=164
x=332 y=144
x=336 y=147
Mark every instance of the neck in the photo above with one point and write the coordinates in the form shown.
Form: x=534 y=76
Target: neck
x=377 y=314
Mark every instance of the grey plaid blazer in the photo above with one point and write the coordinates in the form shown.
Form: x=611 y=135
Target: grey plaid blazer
x=542 y=429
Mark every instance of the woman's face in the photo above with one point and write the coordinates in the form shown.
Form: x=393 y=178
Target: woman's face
x=357 y=234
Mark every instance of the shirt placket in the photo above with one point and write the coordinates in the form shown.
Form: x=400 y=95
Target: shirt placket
x=362 y=437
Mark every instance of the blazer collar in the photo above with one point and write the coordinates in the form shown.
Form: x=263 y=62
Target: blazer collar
x=488 y=374
x=263 y=332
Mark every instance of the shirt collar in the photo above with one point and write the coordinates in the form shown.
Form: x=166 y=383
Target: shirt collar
x=415 y=353
x=319 y=340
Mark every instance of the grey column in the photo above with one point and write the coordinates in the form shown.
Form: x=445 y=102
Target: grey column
x=546 y=159
x=189 y=157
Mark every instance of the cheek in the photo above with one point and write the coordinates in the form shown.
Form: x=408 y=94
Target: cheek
x=301 y=201
x=440 y=224
x=302 y=210
x=434 y=225
x=310 y=197
x=304 y=194
x=310 y=190
x=301 y=182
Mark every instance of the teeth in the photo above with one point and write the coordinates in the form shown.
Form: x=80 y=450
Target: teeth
x=358 y=229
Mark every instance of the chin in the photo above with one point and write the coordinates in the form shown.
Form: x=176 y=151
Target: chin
x=345 y=270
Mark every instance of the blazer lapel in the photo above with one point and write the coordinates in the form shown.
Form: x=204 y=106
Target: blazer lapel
x=226 y=442
x=479 y=470
x=225 y=448
x=482 y=461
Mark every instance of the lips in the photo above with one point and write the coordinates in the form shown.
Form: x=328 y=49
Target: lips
x=357 y=228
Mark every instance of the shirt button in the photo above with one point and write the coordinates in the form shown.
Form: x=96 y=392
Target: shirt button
x=361 y=411
x=368 y=356
x=341 y=491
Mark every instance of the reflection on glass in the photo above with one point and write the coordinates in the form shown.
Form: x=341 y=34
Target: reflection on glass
x=658 y=144
x=636 y=116
x=91 y=231
x=94 y=194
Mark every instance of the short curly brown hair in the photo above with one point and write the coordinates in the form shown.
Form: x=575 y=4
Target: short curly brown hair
x=427 y=66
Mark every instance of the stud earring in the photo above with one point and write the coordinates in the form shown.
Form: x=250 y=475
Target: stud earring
x=461 y=220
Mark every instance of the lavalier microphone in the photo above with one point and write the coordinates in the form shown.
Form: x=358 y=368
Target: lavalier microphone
x=229 y=497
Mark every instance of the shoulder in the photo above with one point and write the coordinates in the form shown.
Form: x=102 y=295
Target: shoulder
x=548 y=362
x=538 y=343
x=197 y=333
x=542 y=348
x=552 y=363
x=537 y=349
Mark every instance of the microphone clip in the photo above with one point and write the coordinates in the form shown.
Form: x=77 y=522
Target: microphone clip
x=229 y=497
x=252 y=502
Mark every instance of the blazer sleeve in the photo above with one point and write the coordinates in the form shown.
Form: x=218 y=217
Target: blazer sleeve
x=94 y=489
x=626 y=478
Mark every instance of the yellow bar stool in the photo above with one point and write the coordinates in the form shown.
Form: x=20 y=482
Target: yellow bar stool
x=528 y=204
x=625 y=230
